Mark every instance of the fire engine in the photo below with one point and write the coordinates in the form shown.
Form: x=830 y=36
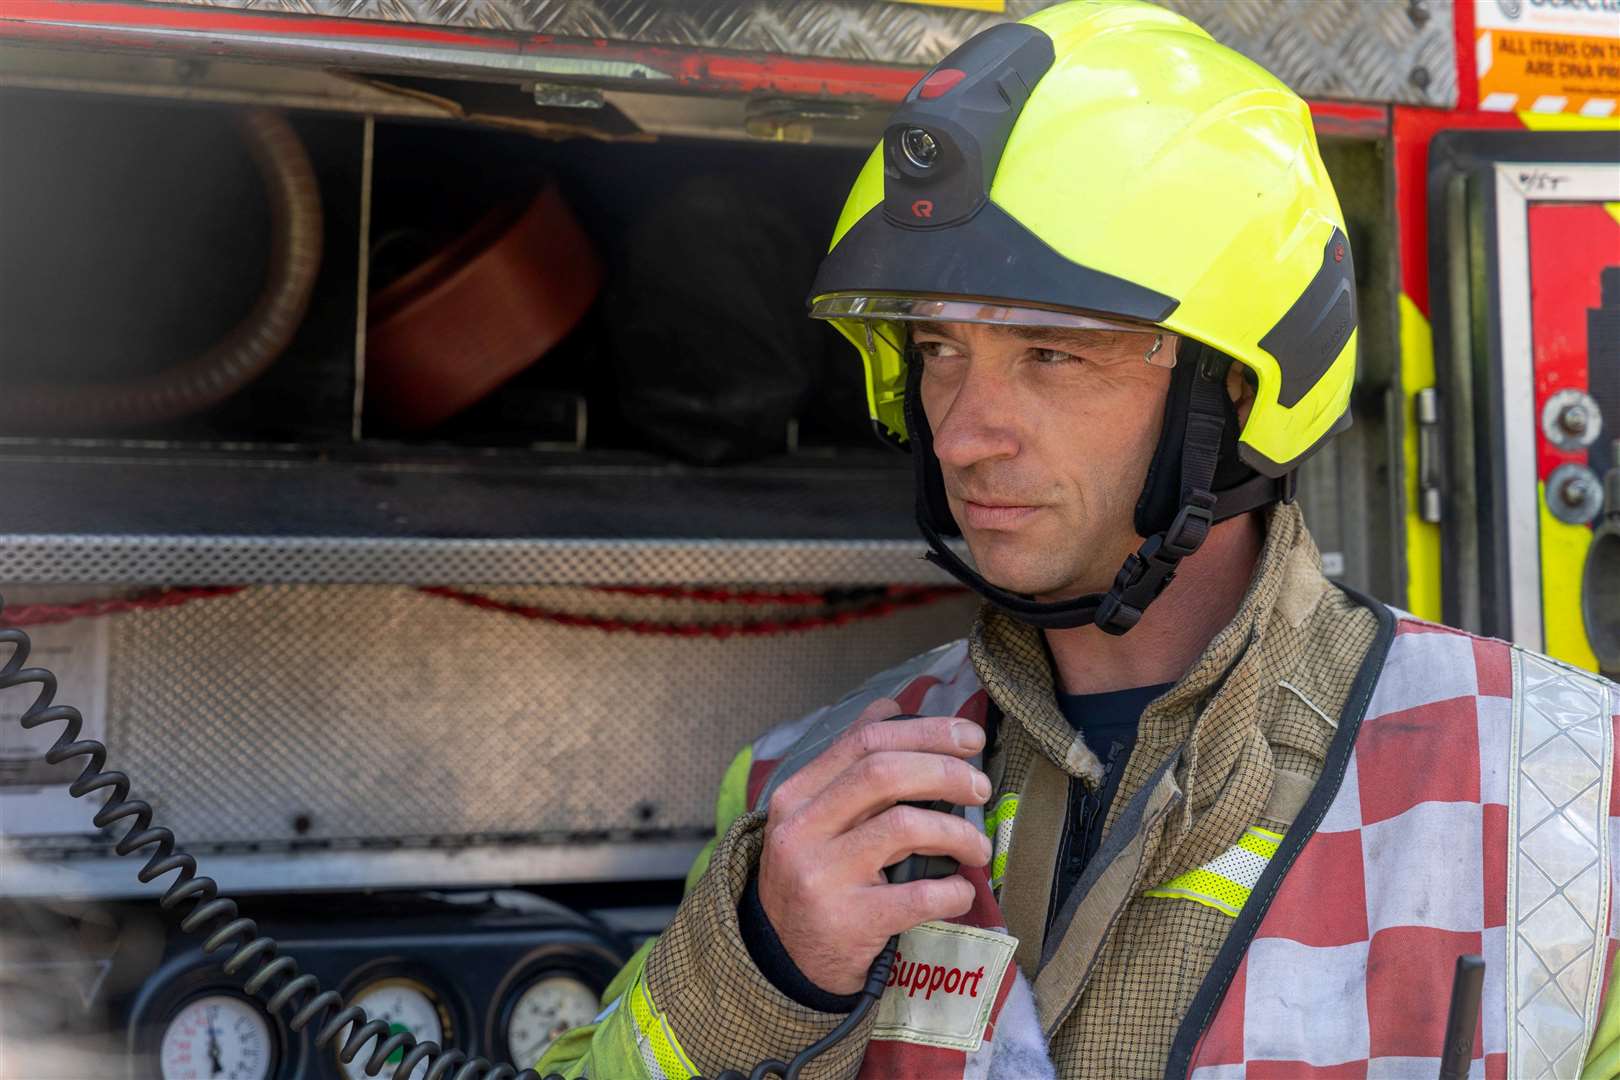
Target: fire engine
x=420 y=473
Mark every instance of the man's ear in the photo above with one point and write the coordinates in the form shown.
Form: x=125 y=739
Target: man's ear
x=1240 y=388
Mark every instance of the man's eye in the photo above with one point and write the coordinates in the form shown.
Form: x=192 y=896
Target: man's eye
x=936 y=350
x=1054 y=356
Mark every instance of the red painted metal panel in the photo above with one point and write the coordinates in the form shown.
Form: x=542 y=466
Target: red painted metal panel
x=1462 y=24
x=64 y=19
x=1570 y=245
x=796 y=77
x=1413 y=130
x=224 y=32
x=1348 y=120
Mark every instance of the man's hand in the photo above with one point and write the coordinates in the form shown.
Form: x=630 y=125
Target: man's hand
x=834 y=825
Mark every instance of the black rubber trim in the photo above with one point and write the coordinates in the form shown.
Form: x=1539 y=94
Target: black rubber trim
x=1214 y=987
x=989 y=256
x=1312 y=332
x=1164 y=490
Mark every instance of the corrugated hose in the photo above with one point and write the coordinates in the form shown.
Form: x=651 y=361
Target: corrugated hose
x=241 y=355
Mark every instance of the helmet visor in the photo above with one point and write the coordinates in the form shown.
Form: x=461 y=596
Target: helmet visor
x=878 y=325
x=886 y=308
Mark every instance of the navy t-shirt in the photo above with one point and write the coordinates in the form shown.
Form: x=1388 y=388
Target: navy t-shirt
x=1108 y=722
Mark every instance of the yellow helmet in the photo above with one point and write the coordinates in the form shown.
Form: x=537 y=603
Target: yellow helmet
x=1107 y=163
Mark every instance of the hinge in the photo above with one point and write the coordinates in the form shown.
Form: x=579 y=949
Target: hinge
x=1428 y=454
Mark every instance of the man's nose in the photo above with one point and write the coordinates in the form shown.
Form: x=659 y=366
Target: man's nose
x=980 y=422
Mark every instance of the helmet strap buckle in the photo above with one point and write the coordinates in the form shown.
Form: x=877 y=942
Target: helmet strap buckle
x=1191 y=526
x=1152 y=567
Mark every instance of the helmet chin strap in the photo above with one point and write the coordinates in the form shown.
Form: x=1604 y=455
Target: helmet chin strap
x=1152 y=567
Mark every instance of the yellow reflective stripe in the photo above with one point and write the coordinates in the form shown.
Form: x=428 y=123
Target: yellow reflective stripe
x=1005 y=810
x=1260 y=841
x=663 y=1056
x=1202 y=887
x=1224 y=883
x=998 y=825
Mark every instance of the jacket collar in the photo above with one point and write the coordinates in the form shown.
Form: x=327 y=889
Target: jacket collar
x=1212 y=715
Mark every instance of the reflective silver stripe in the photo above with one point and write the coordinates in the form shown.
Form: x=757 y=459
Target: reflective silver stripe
x=1558 y=865
x=998 y=826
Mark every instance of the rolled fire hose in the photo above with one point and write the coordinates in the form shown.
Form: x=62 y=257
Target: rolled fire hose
x=1600 y=580
x=241 y=355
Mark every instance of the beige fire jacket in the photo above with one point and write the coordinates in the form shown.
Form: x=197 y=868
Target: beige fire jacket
x=1254 y=716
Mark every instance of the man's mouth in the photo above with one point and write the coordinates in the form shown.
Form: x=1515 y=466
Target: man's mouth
x=995 y=515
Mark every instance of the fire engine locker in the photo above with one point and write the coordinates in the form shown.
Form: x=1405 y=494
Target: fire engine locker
x=1525 y=243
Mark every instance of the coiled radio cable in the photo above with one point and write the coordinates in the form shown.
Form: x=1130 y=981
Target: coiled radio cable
x=256 y=956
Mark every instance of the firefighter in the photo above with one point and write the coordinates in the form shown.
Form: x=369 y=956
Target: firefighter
x=1218 y=817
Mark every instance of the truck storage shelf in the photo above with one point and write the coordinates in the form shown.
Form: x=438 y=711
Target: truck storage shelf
x=101 y=875
x=235 y=518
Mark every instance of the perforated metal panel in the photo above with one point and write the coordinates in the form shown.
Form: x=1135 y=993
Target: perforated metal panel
x=236 y=560
x=376 y=715
x=1373 y=50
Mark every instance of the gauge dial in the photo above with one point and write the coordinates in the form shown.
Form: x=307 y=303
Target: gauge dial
x=404 y=1005
x=547 y=1007
x=217 y=1035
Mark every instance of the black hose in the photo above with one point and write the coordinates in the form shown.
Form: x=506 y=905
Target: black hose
x=256 y=955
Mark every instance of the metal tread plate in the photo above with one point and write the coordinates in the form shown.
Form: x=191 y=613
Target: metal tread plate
x=1365 y=50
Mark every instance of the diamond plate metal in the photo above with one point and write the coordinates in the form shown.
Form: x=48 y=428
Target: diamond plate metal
x=1558 y=902
x=1366 y=50
x=382 y=716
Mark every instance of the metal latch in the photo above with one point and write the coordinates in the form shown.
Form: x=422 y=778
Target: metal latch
x=1428 y=453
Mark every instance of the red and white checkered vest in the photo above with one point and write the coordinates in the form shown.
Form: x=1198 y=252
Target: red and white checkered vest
x=1477 y=813
x=1471 y=810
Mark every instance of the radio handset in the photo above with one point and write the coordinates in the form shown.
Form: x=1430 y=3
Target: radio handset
x=918 y=867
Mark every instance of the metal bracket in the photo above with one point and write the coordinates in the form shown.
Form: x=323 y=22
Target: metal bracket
x=566 y=96
x=1428 y=463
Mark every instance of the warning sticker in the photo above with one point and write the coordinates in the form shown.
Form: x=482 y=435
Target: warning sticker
x=34 y=799
x=943 y=986
x=1548 y=56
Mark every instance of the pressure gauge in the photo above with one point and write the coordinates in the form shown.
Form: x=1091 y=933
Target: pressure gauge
x=217 y=1035
x=404 y=1005
x=547 y=1007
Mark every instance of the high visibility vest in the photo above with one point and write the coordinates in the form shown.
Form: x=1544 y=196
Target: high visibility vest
x=1476 y=814
x=1467 y=806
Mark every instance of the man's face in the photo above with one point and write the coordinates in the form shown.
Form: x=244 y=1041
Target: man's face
x=1044 y=438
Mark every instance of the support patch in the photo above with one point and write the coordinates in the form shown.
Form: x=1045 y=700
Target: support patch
x=944 y=984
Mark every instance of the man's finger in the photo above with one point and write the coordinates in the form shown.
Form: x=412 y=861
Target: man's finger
x=809 y=780
x=872 y=733
x=899 y=831
x=875 y=782
x=894 y=909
